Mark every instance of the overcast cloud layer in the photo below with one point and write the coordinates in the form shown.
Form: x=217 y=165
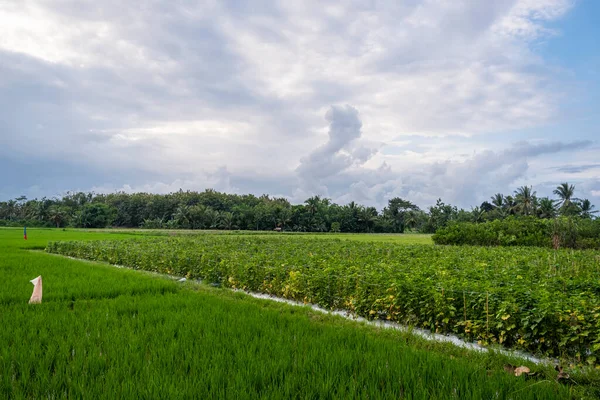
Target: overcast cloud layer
x=355 y=100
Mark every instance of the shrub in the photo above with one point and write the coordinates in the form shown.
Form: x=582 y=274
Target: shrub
x=524 y=231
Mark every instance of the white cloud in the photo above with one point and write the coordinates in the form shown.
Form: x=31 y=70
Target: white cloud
x=219 y=179
x=526 y=18
x=336 y=155
x=182 y=90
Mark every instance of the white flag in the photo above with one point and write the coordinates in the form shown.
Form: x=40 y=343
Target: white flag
x=36 y=297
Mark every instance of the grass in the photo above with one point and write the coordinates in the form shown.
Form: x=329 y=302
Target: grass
x=103 y=332
x=399 y=238
x=533 y=299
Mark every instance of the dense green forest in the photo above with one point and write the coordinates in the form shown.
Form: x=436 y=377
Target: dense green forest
x=214 y=210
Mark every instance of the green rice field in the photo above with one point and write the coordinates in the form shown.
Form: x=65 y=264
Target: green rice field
x=106 y=332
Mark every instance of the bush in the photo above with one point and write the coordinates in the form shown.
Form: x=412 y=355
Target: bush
x=335 y=227
x=524 y=231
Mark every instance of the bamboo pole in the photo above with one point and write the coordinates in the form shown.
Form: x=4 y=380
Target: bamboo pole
x=465 y=308
x=487 y=311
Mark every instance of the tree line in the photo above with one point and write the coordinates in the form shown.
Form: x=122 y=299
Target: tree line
x=214 y=210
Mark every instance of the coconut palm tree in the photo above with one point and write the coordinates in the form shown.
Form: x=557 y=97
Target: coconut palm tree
x=367 y=217
x=525 y=199
x=283 y=217
x=57 y=215
x=510 y=205
x=565 y=193
x=547 y=208
x=182 y=216
x=195 y=216
x=411 y=219
x=226 y=220
x=477 y=214
x=11 y=209
x=586 y=209
x=39 y=209
x=312 y=204
x=497 y=200
x=212 y=218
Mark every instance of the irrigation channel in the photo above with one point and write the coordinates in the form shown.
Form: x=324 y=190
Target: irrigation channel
x=425 y=334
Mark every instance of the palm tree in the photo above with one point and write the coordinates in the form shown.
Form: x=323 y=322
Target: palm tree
x=195 y=216
x=283 y=216
x=182 y=216
x=525 y=199
x=212 y=218
x=226 y=220
x=565 y=192
x=477 y=214
x=312 y=204
x=367 y=216
x=39 y=210
x=547 y=208
x=411 y=219
x=354 y=209
x=497 y=200
x=11 y=209
x=57 y=215
x=509 y=206
x=244 y=216
x=317 y=208
x=586 y=209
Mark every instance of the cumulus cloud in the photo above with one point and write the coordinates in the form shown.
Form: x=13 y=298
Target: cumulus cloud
x=463 y=182
x=490 y=171
x=219 y=179
x=336 y=155
x=232 y=94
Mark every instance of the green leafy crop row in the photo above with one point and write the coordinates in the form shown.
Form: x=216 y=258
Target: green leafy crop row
x=574 y=233
x=539 y=300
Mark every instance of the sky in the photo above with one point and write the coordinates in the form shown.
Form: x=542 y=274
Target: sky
x=358 y=100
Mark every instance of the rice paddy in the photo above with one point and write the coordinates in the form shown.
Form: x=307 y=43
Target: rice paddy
x=105 y=332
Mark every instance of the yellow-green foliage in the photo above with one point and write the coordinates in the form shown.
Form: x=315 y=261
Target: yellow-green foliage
x=535 y=299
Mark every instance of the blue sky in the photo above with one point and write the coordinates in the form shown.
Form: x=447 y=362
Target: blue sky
x=352 y=100
x=576 y=49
